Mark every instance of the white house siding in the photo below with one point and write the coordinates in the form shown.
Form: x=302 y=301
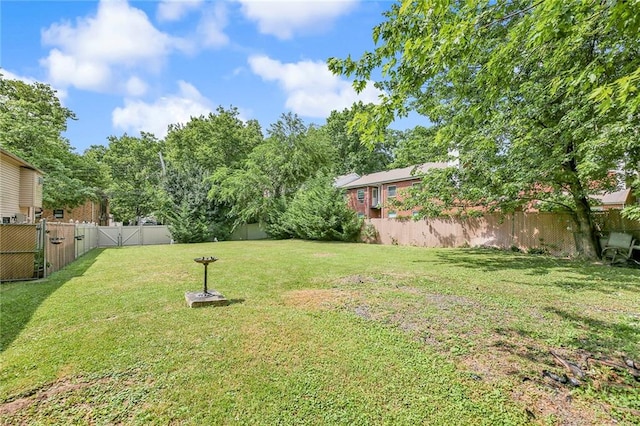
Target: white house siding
x=9 y=187
x=29 y=188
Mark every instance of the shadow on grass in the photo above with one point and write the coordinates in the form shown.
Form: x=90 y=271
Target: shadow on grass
x=599 y=336
x=19 y=300
x=594 y=277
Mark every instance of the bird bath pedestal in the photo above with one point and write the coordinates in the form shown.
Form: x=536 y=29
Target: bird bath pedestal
x=206 y=297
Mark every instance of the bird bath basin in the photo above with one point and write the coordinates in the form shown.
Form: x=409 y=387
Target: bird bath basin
x=206 y=297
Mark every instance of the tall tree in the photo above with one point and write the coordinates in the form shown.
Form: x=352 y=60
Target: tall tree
x=351 y=153
x=417 y=146
x=511 y=87
x=259 y=190
x=192 y=216
x=135 y=169
x=32 y=121
x=219 y=139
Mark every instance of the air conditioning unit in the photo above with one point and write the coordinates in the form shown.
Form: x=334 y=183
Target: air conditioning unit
x=21 y=218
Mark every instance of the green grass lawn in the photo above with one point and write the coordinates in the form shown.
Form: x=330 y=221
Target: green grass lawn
x=321 y=333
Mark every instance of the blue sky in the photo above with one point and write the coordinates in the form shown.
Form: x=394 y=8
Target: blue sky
x=126 y=66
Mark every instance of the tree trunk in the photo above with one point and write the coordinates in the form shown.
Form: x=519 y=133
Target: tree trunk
x=586 y=243
x=585 y=237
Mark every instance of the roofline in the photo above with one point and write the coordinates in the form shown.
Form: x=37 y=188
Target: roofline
x=419 y=169
x=21 y=161
x=380 y=182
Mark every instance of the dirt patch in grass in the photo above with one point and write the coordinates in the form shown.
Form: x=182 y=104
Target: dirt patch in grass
x=110 y=399
x=493 y=344
x=314 y=299
x=356 y=279
x=52 y=391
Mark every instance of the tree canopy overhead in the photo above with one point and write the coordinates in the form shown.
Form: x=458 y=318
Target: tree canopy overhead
x=536 y=99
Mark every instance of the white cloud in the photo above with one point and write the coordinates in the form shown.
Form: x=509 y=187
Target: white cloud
x=154 y=117
x=136 y=87
x=70 y=70
x=97 y=49
x=284 y=18
x=311 y=89
x=212 y=24
x=174 y=10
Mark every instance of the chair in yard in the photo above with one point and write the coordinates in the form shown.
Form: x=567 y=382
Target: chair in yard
x=618 y=247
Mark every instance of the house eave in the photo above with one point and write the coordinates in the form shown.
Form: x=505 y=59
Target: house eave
x=20 y=161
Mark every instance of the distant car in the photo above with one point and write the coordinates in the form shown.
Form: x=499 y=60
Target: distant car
x=147 y=221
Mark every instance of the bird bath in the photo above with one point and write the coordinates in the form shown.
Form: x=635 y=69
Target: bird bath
x=206 y=297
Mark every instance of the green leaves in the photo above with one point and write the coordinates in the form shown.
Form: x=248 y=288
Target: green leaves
x=32 y=120
x=534 y=97
x=259 y=188
x=319 y=211
x=135 y=170
x=193 y=217
x=219 y=139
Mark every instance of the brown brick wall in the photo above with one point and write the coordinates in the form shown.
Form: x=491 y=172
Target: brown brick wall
x=365 y=207
x=88 y=212
x=401 y=187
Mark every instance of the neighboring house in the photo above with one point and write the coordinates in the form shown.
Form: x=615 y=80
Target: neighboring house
x=90 y=212
x=20 y=189
x=342 y=180
x=370 y=194
x=614 y=200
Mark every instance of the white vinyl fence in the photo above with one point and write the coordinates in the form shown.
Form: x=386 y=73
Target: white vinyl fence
x=118 y=236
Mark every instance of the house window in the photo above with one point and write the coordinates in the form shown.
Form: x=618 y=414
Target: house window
x=361 y=195
x=392 y=215
x=58 y=214
x=391 y=191
x=374 y=198
x=360 y=215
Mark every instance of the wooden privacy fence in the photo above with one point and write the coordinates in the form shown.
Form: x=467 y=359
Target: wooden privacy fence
x=551 y=232
x=59 y=246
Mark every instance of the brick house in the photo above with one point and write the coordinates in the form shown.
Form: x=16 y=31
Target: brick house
x=20 y=189
x=370 y=194
x=90 y=212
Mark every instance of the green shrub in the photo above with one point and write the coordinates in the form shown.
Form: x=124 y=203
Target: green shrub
x=192 y=216
x=319 y=211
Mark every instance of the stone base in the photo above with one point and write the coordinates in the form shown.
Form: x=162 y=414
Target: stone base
x=196 y=300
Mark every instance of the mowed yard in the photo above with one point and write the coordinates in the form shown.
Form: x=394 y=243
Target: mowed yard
x=322 y=333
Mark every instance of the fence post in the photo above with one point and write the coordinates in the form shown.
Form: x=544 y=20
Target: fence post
x=45 y=248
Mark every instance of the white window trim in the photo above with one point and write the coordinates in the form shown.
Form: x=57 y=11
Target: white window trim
x=395 y=191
